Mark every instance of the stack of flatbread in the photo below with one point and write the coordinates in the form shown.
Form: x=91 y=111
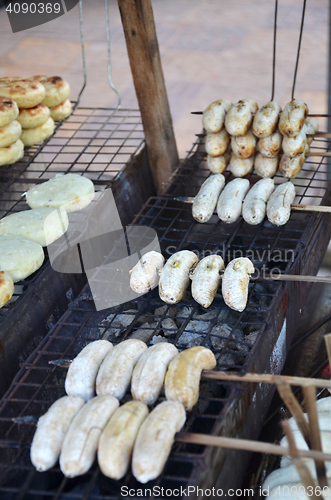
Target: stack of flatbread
x=23 y=234
x=57 y=96
x=40 y=100
x=11 y=147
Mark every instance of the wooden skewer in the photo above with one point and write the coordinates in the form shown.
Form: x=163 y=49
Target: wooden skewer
x=246 y=445
x=327 y=339
x=304 y=472
x=315 y=436
x=294 y=206
x=266 y=378
x=318 y=115
x=291 y=402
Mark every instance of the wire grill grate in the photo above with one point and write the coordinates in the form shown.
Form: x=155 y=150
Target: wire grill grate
x=239 y=340
x=94 y=142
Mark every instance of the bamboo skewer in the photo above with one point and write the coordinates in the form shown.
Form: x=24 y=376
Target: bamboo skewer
x=327 y=339
x=291 y=402
x=246 y=445
x=315 y=436
x=318 y=115
x=304 y=473
x=294 y=206
x=266 y=378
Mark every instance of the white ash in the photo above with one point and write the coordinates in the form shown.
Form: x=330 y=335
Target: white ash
x=160 y=311
x=197 y=326
x=169 y=326
x=183 y=314
x=225 y=359
x=109 y=333
x=145 y=332
x=219 y=338
x=189 y=339
x=250 y=339
x=210 y=315
x=156 y=339
x=116 y=323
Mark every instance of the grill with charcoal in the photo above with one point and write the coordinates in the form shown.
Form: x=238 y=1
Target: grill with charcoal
x=255 y=340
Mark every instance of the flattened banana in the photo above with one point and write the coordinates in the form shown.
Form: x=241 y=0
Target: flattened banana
x=183 y=376
x=51 y=429
x=118 y=438
x=115 y=372
x=155 y=439
x=81 y=441
x=148 y=374
x=82 y=373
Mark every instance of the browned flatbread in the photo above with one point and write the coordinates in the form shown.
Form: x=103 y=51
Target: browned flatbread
x=12 y=153
x=10 y=133
x=61 y=111
x=27 y=93
x=33 y=117
x=35 y=135
x=57 y=89
x=8 y=111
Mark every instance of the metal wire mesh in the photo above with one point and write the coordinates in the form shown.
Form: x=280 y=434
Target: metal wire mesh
x=94 y=142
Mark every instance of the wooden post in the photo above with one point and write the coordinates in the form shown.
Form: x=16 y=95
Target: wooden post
x=143 y=50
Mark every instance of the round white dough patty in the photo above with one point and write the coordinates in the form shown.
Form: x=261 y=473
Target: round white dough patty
x=32 y=136
x=10 y=133
x=27 y=93
x=12 y=153
x=61 y=111
x=42 y=225
x=19 y=256
x=72 y=191
x=33 y=117
x=57 y=89
x=6 y=288
x=8 y=111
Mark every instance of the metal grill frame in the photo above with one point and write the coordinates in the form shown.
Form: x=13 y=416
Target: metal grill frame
x=103 y=144
x=233 y=410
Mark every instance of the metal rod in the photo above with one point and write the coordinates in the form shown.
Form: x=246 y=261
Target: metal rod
x=274 y=53
x=299 y=47
x=112 y=86
x=82 y=44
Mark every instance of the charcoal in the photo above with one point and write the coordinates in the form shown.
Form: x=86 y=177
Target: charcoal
x=156 y=339
x=160 y=311
x=145 y=332
x=169 y=327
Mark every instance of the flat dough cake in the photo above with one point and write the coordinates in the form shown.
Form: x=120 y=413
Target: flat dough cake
x=61 y=111
x=42 y=225
x=33 y=117
x=6 y=288
x=57 y=89
x=31 y=136
x=71 y=191
x=8 y=111
x=11 y=154
x=19 y=256
x=27 y=93
x=10 y=133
